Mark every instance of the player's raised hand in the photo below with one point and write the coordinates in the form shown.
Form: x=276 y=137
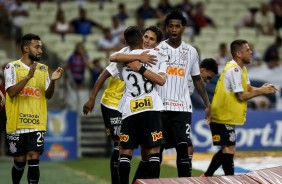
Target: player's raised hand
x=57 y=74
x=32 y=69
x=269 y=88
x=148 y=58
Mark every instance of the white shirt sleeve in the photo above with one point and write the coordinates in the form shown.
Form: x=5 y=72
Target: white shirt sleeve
x=10 y=75
x=163 y=58
x=233 y=80
x=112 y=69
x=47 y=81
x=195 y=68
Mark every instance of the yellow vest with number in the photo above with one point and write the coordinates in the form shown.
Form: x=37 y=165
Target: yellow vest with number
x=29 y=108
x=113 y=93
x=226 y=108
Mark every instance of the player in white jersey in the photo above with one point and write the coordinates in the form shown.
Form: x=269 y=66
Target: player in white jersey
x=176 y=119
x=112 y=94
x=141 y=118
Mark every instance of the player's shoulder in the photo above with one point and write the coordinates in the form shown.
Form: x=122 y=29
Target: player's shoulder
x=137 y=51
x=124 y=50
x=13 y=64
x=187 y=46
x=158 y=51
x=232 y=67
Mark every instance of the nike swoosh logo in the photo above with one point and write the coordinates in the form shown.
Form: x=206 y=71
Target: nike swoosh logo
x=38 y=145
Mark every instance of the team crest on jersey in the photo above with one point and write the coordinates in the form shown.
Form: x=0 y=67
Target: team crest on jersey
x=232 y=137
x=216 y=138
x=17 y=65
x=157 y=135
x=236 y=69
x=141 y=104
x=184 y=55
x=12 y=147
x=43 y=68
x=123 y=138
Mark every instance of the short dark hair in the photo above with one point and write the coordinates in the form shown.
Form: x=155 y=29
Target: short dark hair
x=133 y=36
x=26 y=39
x=157 y=31
x=175 y=14
x=236 y=45
x=210 y=64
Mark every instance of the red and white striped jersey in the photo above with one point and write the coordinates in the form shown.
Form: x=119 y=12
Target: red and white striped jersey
x=182 y=62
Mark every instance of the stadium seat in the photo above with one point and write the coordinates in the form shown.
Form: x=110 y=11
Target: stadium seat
x=73 y=38
x=51 y=39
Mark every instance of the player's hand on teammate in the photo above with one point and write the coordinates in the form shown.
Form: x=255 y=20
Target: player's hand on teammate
x=133 y=66
x=88 y=106
x=57 y=74
x=148 y=59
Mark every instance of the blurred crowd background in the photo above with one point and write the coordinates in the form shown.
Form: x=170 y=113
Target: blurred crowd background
x=81 y=34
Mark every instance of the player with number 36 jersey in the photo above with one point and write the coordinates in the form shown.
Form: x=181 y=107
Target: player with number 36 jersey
x=141 y=94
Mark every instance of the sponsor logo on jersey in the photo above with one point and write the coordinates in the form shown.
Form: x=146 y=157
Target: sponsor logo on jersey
x=175 y=104
x=108 y=132
x=13 y=137
x=141 y=104
x=43 y=68
x=17 y=65
x=115 y=121
x=216 y=138
x=30 y=91
x=7 y=66
x=123 y=138
x=157 y=135
x=29 y=118
x=172 y=70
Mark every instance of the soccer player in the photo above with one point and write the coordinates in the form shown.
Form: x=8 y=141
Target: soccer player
x=27 y=84
x=140 y=107
x=176 y=119
x=234 y=87
x=208 y=69
x=114 y=90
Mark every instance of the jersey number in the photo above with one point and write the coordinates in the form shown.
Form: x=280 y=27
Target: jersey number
x=148 y=85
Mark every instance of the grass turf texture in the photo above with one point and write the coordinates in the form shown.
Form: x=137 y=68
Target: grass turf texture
x=97 y=170
x=86 y=171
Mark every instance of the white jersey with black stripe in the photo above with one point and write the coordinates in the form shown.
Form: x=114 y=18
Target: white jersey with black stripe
x=140 y=93
x=183 y=62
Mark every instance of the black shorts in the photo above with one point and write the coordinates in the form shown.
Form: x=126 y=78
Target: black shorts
x=21 y=144
x=144 y=129
x=222 y=134
x=176 y=128
x=112 y=121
